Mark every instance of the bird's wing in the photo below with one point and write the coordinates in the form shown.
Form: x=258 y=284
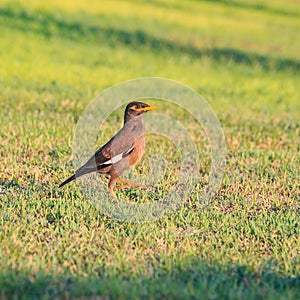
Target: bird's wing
x=113 y=151
x=118 y=157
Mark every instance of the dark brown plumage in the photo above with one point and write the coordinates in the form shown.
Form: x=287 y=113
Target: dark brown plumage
x=122 y=151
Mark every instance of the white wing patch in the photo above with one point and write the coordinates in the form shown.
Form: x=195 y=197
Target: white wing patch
x=118 y=157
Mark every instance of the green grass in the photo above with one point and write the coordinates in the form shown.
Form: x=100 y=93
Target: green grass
x=243 y=57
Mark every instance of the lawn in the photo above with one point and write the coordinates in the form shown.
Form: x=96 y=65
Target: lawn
x=243 y=57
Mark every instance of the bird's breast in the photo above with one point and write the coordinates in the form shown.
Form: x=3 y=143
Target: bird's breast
x=139 y=149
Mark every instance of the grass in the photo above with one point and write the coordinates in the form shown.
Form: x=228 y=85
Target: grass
x=56 y=57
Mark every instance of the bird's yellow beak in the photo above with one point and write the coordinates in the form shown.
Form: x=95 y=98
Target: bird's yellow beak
x=150 y=107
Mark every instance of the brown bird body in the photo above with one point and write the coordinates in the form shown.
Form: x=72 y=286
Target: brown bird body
x=122 y=151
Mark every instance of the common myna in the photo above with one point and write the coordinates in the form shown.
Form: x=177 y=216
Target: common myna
x=122 y=151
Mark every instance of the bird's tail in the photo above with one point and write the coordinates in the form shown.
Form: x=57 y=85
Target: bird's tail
x=68 y=180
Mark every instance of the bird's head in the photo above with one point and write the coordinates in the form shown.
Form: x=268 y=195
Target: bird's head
x=136 y=109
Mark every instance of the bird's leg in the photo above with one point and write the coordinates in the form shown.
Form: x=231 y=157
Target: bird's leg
x=111 y=185
x=112 y=193
x=128 y=183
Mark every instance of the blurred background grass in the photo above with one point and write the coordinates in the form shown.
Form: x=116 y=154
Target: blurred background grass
x=242 y=56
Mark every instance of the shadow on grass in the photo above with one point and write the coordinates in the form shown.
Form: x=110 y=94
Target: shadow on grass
x=50 y=25
x=254 y=5
x=198 y=280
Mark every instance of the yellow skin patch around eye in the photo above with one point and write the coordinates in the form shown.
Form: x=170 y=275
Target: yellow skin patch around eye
x=147 y=108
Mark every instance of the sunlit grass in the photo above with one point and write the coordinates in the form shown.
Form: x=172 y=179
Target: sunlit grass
x=243 y=57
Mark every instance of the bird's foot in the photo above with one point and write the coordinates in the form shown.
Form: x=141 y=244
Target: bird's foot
x=128 y=183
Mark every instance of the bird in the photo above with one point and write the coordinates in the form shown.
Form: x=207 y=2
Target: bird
x=123 y=151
